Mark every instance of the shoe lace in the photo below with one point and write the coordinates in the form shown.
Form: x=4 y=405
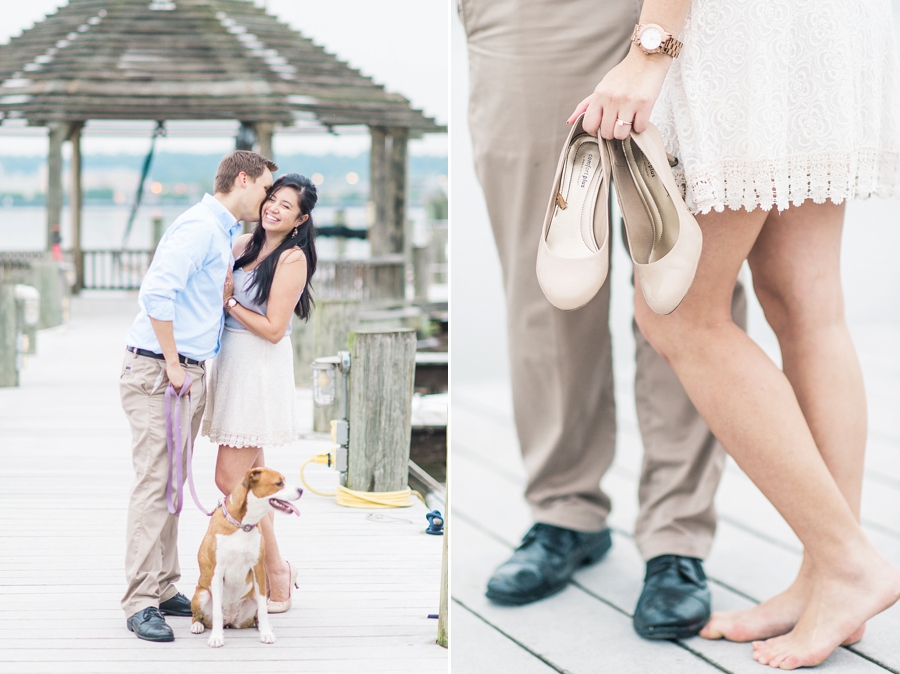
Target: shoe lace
x=688 y=569
x=151 y=612
x=552 y=538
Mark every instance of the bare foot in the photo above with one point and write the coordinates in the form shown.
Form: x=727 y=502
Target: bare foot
x=279 y=582
x=771 y=618
x=838 y=607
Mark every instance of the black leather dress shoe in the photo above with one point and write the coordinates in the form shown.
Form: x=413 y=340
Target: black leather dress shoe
x=178 y=605
x=675 y=601
x=150 y=625
x=544 y=563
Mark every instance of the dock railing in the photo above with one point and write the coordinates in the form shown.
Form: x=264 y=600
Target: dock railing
x=368 y=280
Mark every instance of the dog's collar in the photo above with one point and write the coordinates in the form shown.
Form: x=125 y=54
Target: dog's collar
x=234 y=522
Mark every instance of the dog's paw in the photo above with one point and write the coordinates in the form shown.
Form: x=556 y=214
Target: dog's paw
x=197 y=628
x=267 y=637
x=216 y=640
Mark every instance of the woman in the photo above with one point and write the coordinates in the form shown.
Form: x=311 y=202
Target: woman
x=778 y=112
x=251 y=391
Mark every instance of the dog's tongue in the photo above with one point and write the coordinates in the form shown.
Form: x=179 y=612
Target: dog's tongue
x=286 y=506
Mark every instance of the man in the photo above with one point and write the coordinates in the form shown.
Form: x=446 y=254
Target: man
x=530 y=63
x=177 y=329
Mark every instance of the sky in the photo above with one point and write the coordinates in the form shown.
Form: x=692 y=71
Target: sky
x=402 y=44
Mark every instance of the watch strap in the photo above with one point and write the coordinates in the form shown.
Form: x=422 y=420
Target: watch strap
x=670 y=45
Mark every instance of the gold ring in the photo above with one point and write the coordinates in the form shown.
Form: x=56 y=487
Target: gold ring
x=622 y=122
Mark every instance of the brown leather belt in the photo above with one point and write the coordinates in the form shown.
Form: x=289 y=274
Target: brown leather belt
x=184 y=360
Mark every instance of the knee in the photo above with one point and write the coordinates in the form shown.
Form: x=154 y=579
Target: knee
x=661 y=332
x=799 y=305
x=224 y=480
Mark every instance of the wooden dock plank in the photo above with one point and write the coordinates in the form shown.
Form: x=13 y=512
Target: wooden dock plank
x=368 y=579
x=477 y=650
x=617 y=579
x=571 y=631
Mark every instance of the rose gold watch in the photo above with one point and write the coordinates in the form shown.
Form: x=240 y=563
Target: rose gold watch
x=652 y=39
x=230 y=304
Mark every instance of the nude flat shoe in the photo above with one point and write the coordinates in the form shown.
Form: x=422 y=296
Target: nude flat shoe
x=663 y=237
x=284 y=606
x=573 y=252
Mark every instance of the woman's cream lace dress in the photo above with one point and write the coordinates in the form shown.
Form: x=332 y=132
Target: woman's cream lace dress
x=773 y=102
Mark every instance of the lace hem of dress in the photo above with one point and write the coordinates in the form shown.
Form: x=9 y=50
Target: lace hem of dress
x=240 y=440
x=790 y=181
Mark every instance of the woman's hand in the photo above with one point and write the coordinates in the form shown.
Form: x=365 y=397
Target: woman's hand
x=628 y=93
x=228 y=291
x=288 y=282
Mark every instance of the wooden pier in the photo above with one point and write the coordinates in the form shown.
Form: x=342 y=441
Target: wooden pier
x=587 y=628
x=368 y=579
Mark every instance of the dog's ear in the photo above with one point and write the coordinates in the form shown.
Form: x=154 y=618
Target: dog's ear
x=252 y=477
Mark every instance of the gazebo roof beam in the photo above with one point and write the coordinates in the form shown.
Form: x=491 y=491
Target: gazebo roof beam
x=108 y=58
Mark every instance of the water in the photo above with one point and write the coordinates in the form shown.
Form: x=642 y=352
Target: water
x=24 y=228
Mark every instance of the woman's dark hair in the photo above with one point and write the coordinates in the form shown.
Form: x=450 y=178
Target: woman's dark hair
x=305 y=239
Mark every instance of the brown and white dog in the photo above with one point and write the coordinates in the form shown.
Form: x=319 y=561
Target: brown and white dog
x=232 y=587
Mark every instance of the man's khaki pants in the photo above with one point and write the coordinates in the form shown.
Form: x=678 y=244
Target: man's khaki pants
x=530 y=63
x=151 y=539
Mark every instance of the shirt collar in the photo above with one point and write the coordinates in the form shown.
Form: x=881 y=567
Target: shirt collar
x=229 y=223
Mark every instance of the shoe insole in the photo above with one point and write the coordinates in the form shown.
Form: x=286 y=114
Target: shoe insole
x=571 y=231
x=658 y=204
x=639 y=227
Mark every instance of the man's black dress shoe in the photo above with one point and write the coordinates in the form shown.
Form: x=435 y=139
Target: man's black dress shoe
x=544 y=563
x=675 y=602
x=178 y=605
x=150 y=625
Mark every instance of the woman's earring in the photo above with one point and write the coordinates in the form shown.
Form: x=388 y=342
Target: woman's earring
x=294 y=233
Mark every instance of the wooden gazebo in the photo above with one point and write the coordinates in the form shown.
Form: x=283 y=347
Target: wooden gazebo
x=167 y=60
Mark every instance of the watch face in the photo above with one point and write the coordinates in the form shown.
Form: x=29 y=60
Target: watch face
x=651 y=38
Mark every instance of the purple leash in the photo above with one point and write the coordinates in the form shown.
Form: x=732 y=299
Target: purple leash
x=173 y=437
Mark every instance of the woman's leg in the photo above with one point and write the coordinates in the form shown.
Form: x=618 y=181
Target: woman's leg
x=803 y=302
x=277 y=569
x=232 y=464
x=751 y=407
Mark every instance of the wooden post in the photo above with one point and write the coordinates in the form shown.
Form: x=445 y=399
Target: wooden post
x=340 y=220
x=302 y=341
x=443 y=637
x=46 y=276
x=54 y=195
x=421 y=260
x=264 y=131
x=157 y=230
x=9 y=371
x=332 y=322
x=381 y=386
x=246 y=136
x=28 y=302
x=75 y=204
x=378 y=191
x=396 y=188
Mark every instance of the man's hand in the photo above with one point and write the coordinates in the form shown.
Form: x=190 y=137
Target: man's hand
x=165 y=335
x=177 y=375
x=229 y=286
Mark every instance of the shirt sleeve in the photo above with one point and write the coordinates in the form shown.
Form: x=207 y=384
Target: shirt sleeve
x=178 y=257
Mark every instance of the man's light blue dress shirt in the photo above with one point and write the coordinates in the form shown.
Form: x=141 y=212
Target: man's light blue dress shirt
x=186 y=280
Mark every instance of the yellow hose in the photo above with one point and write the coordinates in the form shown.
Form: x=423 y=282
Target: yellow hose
x=351 y=498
